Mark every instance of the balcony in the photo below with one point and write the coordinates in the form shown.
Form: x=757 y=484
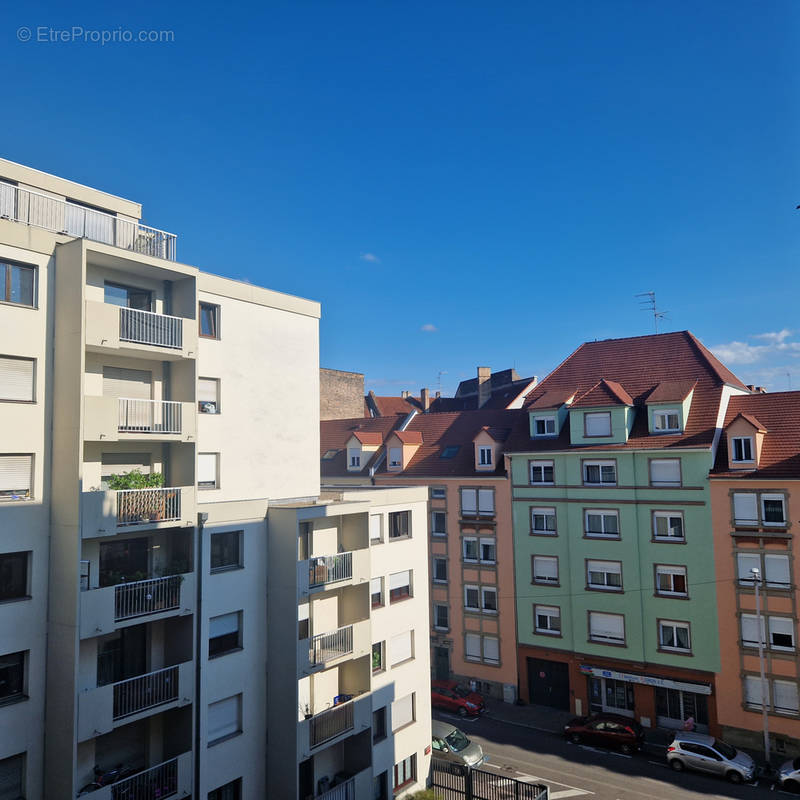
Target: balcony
x=114 y=419
x=342 y=720
x=326 y=649
x=320 y=573
x=330 y=724
x=61 y=216
x=343 y=791
x=171 y=778
x=103 y=708
x=129 y=331
x=127 y=510
x=136 y=506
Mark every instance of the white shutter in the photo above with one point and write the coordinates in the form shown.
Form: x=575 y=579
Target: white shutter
x=745 y=563
x=750 y=630
x=402 y=712
x=16 y=379
x=665 y=471
x=223 y=718
x=374 y=585
x=598 y=424
x=207 y=390
x=752 y=690
x=472 y=644
x=745 y=508
x=491 y=649
x=207 y=468
x=400 y=648
x=606 y=626
x=777 y=570
x=15 y=473
x=302 y=612
x=400 y=579
x=784 y=696
x=134 y=383
x=486 y=499
x=468 y=501
x=224 y=624
x=375 y=527
x=546 y=567
x=782 y=626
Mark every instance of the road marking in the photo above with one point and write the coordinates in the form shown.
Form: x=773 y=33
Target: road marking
x=567 y=793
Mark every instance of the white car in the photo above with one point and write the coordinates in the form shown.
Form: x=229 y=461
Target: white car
x=789 y=774
x=707 y=754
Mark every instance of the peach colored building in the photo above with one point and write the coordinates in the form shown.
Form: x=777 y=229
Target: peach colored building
x=755 y=496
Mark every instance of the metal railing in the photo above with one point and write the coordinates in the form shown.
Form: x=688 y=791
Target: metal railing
x=135 y=506
x=155 y=783
x=62 y=216
x=328 y=646
x=147 y=327
x=149 y=416
x=145 y=691
x=329 y=569
x=331 y=723
x=138 y=598
x=344 y=791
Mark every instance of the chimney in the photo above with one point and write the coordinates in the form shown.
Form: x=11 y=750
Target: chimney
x=438 y=395
x=425 y=397
x=484 y=385
x=404 y=394
x=761 y=390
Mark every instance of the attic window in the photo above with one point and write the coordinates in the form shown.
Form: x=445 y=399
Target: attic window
x=485 y=456
x=544 y=426
x=666 y=420
x=450 y=451
x=742 y=447
x=329 y=454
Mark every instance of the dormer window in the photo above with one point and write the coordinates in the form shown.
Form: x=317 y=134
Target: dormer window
x=353 y=458
x=395 y=456
x=544 y=426
x=742 y=448
x=667 y=420
x=597 y=423
x=485 y=456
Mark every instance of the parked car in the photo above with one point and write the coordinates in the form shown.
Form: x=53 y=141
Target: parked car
x=451 y=696
x=451 y=744
x=706 y=754
x=609 y=730
x=789 y=775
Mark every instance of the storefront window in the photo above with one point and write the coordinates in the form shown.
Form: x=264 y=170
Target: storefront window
x=607 y=694
x=673 y=706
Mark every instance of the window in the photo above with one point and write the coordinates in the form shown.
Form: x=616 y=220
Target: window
x=230 y=791
x=749 y=628
x=599 y=522
x=491 y=650
x=208 y=395
x=378 y=657
x=439 y=569
x=785 y=697
x=12 y=777
x=399 y=524
x=403 y=712
x=472 y=600
x=472 y=647
x=605 y=575
x=376 y=592
x=478 y=502
x=489 y=600
x=353 y=458
x=776 y=571
x=117 y=294
x=224 y=719
x=439 y=523
x=485 y=456
x=545 y=569
x=486 y=502
x=665 y=472
x=745 y=564
x=674 y=636
x=668 y=526
x=226 y=551
x=401 y=648
x=745 y=508
x=671 y=580
x=547 y=619
x=405 y=772
x=12 y=677
x=209 y=321
x=482 y=648
x=375 y=528
x=441 y=617
x=666 y=420
x=772 y=511
x=224 y=634
x=544 y=426
x=329 y=455
x=451 y=451
x=17 y=379
x=606 y=628
x=470 y=548
x=395 y=456
x=14 y=576
x=379 y=724
x=543 y=521
x=741 y=448
x=781 y=633
x=600 y=473
x=438 y=493
x=488 y=551
x=597 y=423
x=542 y=472
x=16 y=474
x=17 y=284
x=379 y=786
x=400 y=586
x=208 y=470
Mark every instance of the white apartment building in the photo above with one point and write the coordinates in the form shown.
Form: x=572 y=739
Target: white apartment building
x=133 y=611
x=348 y=584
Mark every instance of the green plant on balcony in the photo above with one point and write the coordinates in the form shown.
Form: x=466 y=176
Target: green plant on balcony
x=136 y=479
x=148 y=506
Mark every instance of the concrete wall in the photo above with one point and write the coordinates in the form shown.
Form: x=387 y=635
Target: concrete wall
x=341 y=394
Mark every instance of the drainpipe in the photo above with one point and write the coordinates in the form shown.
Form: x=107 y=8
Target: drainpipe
x=202 y=518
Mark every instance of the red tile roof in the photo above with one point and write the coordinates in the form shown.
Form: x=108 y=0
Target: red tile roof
x=552 y=398
x=409 y=436
x=391 y=406
x=369 y=437
x=671 y=391
x=751 y=419
x=604 y=393
x=334 y=434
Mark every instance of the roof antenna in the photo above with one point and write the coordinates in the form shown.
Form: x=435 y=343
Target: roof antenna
x=649 y=304
x=439 y=380
x=789 y=378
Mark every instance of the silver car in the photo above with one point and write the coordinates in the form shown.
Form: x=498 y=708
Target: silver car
x=451 y=744
x=707 y=754
x=789 y=775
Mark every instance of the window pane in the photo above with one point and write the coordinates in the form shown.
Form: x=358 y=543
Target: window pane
x=21 y=285
x=776 y=570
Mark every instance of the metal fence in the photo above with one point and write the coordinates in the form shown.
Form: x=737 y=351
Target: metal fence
x=327 y=646
x=156 y=783
x=148 y=416
x=329 y=569
x=453 y=781
x=331 y=723
x=138 y=598
x=147 y=327
x=135 y=506
x=145 y=691
x=344 y=791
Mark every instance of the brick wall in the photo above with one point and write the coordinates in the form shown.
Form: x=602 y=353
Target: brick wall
x=341 y=394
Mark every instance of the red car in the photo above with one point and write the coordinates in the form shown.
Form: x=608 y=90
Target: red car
x=452 y=697
x=609 y=730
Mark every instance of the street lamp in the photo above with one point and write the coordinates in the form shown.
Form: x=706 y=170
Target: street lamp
x=764 y=691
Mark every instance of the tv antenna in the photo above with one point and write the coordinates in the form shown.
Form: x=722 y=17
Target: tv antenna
x=648 y=303
x=439 y=380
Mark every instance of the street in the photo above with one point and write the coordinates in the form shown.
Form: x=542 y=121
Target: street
x=594 y=773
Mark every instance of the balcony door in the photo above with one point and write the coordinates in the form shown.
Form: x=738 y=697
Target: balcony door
x=122 y=655
x=121 y=464
x=118 y=294
x=123 y=562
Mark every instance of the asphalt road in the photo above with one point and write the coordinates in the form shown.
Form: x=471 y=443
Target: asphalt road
x=578 y=771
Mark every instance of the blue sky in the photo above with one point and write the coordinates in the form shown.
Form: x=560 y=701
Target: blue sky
x=457 y=183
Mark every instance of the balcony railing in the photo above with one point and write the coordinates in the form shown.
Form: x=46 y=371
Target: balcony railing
x=147 y=327
x=145 y=691
x=155 y=783
x=138 y=598
x=331 y=723
x=330 y=569
x=149 y=416
x=62 y=216
x=344 y=791
x=327 y=646
x=136 y=506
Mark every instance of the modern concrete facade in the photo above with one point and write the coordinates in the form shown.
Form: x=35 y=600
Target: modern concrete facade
x=349 y=708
